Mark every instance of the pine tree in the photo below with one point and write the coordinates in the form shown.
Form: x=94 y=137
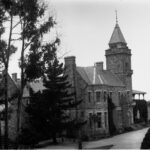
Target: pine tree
x=57 y=98
x=146 y=141
x=48 y=110
x=7 y=14
x=111 y=106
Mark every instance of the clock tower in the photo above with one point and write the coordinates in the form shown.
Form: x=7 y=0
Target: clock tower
x=118 y=57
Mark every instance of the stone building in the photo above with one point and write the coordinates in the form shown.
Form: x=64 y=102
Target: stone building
x=95 y=85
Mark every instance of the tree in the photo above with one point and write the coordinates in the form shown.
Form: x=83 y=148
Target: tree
x=111 y=106
x=8 y=11
x=146 y=141
x=48 y=110
x=33 y=29
x=28 y=15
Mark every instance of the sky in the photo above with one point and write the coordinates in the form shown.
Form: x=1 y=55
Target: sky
x=85 y=28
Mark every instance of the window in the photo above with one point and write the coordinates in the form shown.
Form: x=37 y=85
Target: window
x=105 y=96
x=126 y=66
x=98 y=94
x=110 y=94
x=99 y=121
x=90 y=120
x=128 y=93
x=89 y=96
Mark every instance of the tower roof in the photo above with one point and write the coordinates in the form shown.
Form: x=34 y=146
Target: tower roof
x=117 y=36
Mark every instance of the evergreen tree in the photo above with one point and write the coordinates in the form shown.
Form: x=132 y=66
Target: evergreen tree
x=48 y=110
x=111 y=106
x=146 y=141
x=7 y=14
x=28 y=16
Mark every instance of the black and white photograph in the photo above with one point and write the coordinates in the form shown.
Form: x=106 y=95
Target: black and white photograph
x=74 y=74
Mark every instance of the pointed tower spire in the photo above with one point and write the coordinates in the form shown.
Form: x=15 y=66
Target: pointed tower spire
x=117 y=36
x=116 y=17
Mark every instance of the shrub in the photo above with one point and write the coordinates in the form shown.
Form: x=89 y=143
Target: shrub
x=127 y=129
x=146 y=141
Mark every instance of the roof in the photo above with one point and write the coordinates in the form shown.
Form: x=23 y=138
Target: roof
x=12 y=87
x=138 y=92
x=35 y=85
x=93 y=77
x=117 y=36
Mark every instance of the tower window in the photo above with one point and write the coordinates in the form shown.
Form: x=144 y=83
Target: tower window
x=126 y=66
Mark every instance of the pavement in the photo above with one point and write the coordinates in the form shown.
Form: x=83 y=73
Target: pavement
x=130 y=140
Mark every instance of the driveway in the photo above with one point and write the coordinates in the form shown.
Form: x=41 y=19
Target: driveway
x=130 y=140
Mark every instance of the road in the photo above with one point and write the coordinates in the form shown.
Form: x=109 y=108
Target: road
x=130 y=140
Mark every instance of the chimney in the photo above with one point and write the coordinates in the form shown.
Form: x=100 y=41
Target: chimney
x=69 y=61
x=99 y=66
x=70 y=65
x=14 y=76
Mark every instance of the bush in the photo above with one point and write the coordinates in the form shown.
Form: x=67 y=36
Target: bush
x=127 y=129
x=146 y=141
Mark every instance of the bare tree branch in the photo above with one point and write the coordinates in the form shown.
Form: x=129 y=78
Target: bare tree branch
x=16 y=24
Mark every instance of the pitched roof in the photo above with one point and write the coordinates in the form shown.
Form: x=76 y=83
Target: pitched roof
x=12 y=87
x=35 y=85
x=138 y=92
x=94 y=77
x=117 y=36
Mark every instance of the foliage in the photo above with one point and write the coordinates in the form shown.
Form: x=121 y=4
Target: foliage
x=8 y=11
x=49 y=110
x=127 y=129
x=111 y=106
x=146 y=141
x=141 y=106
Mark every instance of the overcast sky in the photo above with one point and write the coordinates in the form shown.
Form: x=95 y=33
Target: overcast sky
x=85 y=28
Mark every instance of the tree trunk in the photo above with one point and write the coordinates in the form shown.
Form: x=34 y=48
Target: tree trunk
x=6 y=85
x=0 y=133
x=6 y=112
x=21 y=90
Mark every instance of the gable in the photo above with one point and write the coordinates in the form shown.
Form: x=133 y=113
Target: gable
x=12 y=87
